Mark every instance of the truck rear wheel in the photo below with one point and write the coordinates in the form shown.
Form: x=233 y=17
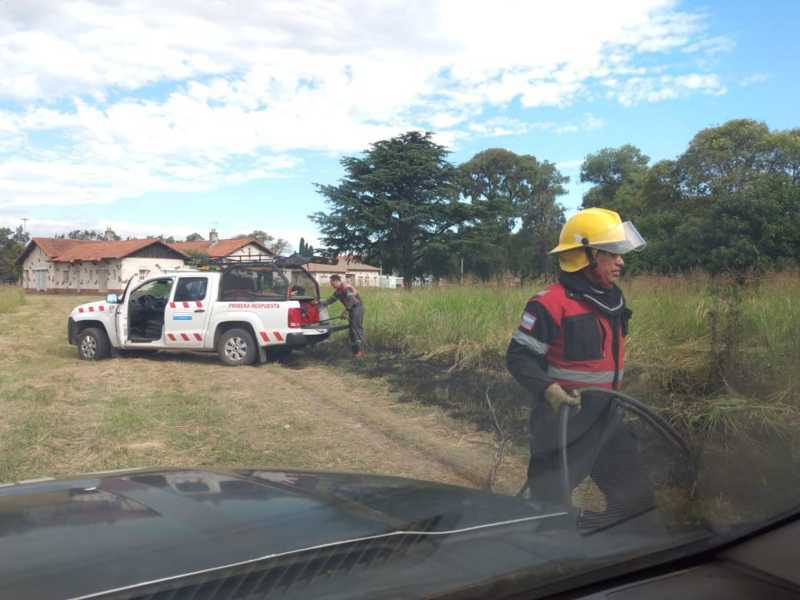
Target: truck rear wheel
x=93 y=344
x=237 y=347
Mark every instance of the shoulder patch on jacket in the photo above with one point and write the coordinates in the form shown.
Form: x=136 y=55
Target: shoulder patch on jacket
x=528 y=321
x=537 y=322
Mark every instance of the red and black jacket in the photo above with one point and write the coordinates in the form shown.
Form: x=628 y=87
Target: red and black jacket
x=571 y=334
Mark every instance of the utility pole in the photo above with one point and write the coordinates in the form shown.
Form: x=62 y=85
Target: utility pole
x=462 y=271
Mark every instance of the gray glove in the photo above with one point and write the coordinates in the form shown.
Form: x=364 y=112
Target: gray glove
x=557 y=396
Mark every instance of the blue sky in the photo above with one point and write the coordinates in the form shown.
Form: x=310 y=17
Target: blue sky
x=172 y=119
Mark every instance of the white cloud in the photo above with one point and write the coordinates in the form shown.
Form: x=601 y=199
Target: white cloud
x=124 y=98
x=85 y=181
x=711 y=46
x=505 y=126
x=665 y=87
x=593 y=122
x=747 y=81
x=590 y=122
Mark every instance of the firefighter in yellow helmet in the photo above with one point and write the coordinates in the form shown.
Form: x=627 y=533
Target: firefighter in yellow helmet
x=592 y=230
x=572 y=336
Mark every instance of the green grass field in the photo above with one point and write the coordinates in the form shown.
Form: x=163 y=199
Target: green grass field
x=718 y=361
x=721 y=364
x=709 y=353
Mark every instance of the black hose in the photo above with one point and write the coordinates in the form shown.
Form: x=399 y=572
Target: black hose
x=563 y=421
x=629 y=402
x=648 y=414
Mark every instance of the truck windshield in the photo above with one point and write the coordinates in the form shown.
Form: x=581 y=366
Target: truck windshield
x=254 y=283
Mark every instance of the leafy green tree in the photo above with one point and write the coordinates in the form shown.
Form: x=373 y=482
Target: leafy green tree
x=720 y=161
x=195 y=237
x=12 y=242
x=515 y=213
x=609 y=169
x=20 y=235
x=393 y=202
x=82 y=234
x=729 y=204
x=280 y=246
x=534 y=240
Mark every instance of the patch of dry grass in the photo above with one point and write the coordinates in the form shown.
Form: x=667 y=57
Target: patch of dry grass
x=60 y=415
x=11 y=297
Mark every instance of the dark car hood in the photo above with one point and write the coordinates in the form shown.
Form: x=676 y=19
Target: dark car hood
x=68 y=538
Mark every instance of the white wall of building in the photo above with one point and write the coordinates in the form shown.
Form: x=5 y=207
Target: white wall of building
x=142 y=268
x=112 y=274
x=36 y=261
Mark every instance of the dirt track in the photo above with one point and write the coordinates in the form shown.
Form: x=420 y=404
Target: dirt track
x=61 y=415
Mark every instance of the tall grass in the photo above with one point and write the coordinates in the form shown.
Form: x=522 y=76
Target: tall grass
x=10 y=298
x=698 y=347
x=466 y=327
x=719 y=360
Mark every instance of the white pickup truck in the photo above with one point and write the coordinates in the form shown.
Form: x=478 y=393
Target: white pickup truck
x=245 y=311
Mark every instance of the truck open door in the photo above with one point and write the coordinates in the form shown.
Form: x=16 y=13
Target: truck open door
x=187 y=313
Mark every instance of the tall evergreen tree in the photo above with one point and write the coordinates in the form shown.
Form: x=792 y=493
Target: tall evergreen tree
x=394 y=201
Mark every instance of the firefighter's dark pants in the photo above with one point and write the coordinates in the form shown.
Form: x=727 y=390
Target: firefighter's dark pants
x=355 y=317
x=598 y=444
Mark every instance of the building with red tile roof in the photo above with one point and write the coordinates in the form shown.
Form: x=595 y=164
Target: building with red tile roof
x=97 y=266
x=217 y=248
x=92 y=266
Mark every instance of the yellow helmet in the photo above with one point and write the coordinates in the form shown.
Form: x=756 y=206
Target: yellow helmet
x=596 y=228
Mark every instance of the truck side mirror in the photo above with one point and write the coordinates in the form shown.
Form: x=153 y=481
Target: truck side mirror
x=112 y=299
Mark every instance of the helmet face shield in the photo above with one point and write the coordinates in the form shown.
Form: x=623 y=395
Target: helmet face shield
x=620 y=239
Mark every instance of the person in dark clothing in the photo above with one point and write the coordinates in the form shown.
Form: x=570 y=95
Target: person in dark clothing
x=348 y=296
x=572 y=336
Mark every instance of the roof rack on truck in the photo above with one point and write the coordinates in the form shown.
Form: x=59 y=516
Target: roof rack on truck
x=293 y=261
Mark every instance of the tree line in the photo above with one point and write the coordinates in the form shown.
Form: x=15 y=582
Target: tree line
x=404 y=206
x=729 y=203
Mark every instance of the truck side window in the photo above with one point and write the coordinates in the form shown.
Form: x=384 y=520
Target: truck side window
x=191 y=289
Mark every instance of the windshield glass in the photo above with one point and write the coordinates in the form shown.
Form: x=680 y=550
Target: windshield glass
x=496 y=298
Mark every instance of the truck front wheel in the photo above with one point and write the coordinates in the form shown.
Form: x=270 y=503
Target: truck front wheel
x=237 y=347
x=93 y=344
